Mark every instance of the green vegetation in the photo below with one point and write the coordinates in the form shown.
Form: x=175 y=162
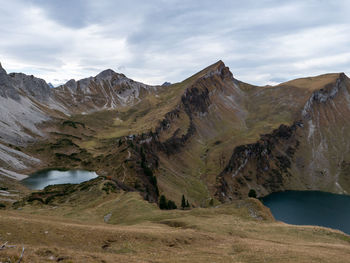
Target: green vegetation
x=252 y=193
x=107 y=187
x=165 y=204
x=73 y=124
x=184 y=202
x=171 y=205
x=211 y=203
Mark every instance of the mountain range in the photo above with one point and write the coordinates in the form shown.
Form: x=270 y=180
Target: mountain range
x=208 y=137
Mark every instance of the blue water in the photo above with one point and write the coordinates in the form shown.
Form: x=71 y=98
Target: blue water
x=311 y=208
x=40 y=180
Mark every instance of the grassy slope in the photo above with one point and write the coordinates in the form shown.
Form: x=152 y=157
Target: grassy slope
x=222 y=129
x=324 y=151
x=139 y=232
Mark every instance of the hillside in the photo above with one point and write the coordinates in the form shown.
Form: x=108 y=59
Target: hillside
x=122 y=227
x=209 y=136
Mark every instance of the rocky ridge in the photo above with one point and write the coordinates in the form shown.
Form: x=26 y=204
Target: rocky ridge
x=208 y=136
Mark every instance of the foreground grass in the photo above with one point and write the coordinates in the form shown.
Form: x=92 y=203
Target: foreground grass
x=137 y=231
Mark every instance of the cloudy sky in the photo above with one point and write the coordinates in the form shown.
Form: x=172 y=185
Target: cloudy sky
x=263 y=42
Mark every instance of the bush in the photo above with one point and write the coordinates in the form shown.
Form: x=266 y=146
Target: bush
x=109 y=187
x=2 y=205
x=171 y=205
x=183 y=202
x=148 y=172
x=211 y=203
x=252 y=193
x=165 y=204
x=35 y=198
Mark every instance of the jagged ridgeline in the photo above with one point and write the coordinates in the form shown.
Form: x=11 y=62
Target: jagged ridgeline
x=208 y=137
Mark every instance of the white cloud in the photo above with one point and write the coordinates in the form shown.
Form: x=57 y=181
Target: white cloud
x=157 y=41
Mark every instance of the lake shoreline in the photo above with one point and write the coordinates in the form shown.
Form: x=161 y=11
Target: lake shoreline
x=46 y=177
x=310 y=208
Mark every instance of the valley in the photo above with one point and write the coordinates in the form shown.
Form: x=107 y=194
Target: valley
x=210 y=138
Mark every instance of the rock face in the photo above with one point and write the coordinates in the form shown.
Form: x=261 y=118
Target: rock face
x=7 y=90
x=309 y=154
x=107 y=90
x=26 y=102
x=34 y=98
x=264 y=165
x=208 y=136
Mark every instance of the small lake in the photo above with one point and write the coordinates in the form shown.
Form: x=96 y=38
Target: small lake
x=311 y=208
x=40 y=180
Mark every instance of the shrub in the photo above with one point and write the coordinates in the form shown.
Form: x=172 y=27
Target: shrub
x=171 y=205
x=147 y=171
x=34 y=198
x=211 y=203
x=109 y=187
x=252 y=193
x=183 y=202
x=166 y=204
x=163 y=204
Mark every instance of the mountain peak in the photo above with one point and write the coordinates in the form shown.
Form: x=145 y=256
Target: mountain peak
x=218 y=68
x=105 y=74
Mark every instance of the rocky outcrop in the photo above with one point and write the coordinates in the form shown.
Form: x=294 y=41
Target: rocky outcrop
x=20 y=108
x=262 y=166
x=107 y=90
x=6 y=88
x=27 y=101
x=325 y=94
x=35 y=88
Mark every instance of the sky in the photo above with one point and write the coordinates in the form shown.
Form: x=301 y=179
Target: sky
x=262 y=42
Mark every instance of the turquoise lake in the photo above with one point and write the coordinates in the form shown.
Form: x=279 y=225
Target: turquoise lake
x=311 y=208
x=40 y=180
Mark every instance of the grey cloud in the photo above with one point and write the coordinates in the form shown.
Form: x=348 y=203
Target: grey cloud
x=72 y=13
x=156 y=41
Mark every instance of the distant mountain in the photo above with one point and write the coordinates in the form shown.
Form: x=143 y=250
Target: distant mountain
x=107 y=90
x=166 y=84
x=209 y=136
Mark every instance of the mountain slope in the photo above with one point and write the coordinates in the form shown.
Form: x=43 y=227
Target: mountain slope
x=305 y=155
x=209 y=136
x=107 y=90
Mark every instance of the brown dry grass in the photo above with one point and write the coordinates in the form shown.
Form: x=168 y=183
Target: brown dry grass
x=223 y=234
